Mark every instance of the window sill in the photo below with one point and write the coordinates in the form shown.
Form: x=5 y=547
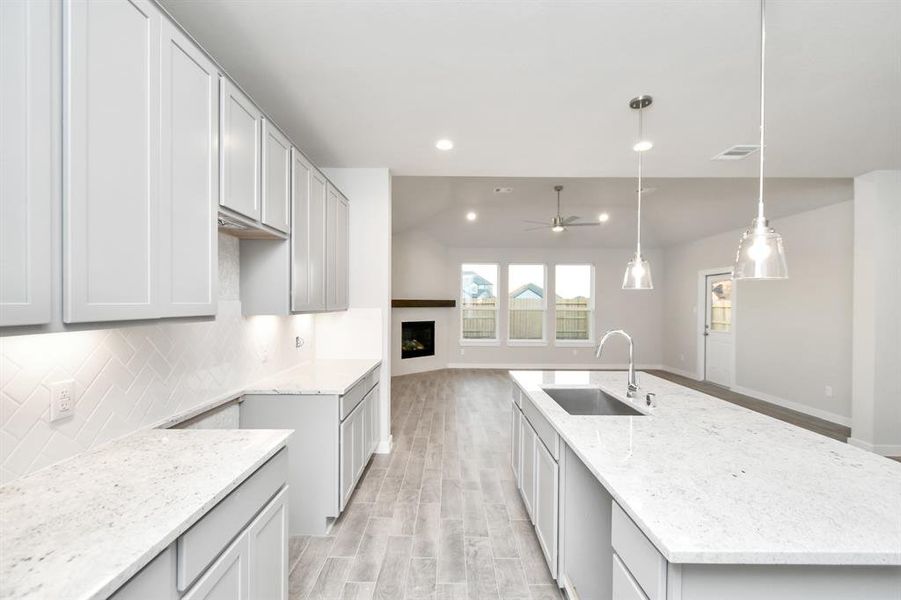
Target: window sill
x=526 y=343
x=488 y=343
x=574 y=343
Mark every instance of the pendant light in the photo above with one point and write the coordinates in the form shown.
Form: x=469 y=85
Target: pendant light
x=760 y=253
x=638 y=271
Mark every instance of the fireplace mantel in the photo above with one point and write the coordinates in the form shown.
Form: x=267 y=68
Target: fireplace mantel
x=418 y=303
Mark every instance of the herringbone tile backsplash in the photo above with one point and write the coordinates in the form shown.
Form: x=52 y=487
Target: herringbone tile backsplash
x=130 y=377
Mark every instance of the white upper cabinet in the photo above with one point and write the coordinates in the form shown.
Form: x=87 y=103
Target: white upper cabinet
x=307 y=237
x=112 y=145
x=337 y=219
x=28 y=165
x=189 y=175
x=276 y=178
x=240 y=157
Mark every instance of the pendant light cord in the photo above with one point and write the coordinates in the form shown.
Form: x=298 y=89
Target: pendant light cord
x=762 y=103
x=640 y=138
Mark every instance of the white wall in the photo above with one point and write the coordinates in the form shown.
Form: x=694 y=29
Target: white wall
x=364 y=331
x=425 y=269
x=793 y=337
x=877 y=323
x=128 y=378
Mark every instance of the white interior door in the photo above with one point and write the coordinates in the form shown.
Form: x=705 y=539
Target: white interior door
x=718 y=331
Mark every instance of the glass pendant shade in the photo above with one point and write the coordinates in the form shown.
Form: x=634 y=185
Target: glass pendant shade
x=638 y=274
x=760 y=253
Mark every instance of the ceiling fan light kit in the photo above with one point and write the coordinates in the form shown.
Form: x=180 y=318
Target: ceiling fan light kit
x=761 y=254
x=638 y=270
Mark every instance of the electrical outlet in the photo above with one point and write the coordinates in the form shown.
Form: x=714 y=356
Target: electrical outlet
x=62 y=399
x=829 y=391
x=298 y=342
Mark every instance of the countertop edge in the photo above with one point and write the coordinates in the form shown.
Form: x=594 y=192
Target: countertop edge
x=113 y=584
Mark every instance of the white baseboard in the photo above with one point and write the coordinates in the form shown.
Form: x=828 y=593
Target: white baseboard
x=881 y=449
x=790 y=404
x=551 y=366
x=385 y=446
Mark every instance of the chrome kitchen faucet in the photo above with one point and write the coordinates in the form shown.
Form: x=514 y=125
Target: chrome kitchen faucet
x=633 y=382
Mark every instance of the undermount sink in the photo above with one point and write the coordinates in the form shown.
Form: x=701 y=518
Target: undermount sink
x=590 y=401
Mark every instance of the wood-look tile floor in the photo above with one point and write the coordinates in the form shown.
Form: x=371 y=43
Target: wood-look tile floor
x=440 y=517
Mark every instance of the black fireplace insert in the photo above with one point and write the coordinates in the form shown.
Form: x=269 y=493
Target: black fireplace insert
x=417 y=339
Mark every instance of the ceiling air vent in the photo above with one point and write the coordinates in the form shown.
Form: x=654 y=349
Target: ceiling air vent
x=503 y=190
x=737 y=152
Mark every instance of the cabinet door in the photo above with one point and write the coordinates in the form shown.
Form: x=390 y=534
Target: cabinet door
x=331 y=254
x=343 y=249
x=240 y=160
x=367 y=426
x=374 y=418
x=527 y=460
x=546 y=503
x=227 y=578
x=307 y=236
x=346 y=459
x=111 y=115
x=276 y=178
x=267 y=538
x=28 y=166
x=189 y=176
x=515 y=441
x=359 y=445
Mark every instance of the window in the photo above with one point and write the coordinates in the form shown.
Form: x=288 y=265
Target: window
x=478 y=302
x=525 y=286
x=574 y=303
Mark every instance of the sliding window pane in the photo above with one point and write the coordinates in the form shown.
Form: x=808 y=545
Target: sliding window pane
x=525 y=285
x=478 y=301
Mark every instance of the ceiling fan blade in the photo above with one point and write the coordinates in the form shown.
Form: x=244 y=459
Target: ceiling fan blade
x=536 y=228
x=536 y=222
x=569 y=220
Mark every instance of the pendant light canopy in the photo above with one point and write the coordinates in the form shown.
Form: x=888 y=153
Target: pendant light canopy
x=760 y=253
x=638 y=271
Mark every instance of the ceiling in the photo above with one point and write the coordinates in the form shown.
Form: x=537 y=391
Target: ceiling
x=678 y=210
x=541 y=88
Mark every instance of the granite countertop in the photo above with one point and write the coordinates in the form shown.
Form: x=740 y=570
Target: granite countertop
x=335 y=376
x=711 y=482
x=81 y=528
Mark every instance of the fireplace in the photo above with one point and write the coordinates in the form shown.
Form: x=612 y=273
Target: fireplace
x=417 y=339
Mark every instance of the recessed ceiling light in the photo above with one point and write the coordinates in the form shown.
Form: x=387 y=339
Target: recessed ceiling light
x=643 y=146
x=444 y=144
x=603 y=217
x=471 y=216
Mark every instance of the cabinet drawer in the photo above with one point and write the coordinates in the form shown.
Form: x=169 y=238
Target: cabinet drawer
x=203 y=542
x=153 y=582
x=638 y=554
x=624 y=586
x=543 y=429
x=355 y=394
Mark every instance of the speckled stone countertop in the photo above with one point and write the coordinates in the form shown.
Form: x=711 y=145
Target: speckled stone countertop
x=711 y=482
x=82 y=527
x=316 y=377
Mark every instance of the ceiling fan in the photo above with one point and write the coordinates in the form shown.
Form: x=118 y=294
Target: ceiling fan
x=559 y=222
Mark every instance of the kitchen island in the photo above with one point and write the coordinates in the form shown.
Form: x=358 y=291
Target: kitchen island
x=705 y=499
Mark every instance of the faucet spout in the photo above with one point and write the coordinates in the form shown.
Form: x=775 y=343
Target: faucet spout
x=633 y=382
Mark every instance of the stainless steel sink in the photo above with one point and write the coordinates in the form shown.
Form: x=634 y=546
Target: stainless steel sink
x=590 y=401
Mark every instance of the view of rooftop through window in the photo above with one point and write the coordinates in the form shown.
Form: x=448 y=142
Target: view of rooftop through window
x=574 y=302
x=478 y=301
x=526 y=285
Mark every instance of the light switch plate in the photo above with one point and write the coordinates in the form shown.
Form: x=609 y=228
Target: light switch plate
x=62 y=399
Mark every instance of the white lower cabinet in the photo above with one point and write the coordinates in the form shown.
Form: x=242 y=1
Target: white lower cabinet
x=238 y=550
x=515 y=457
x=228 y=578
x=546 y=504
x=527 y=459
x=346 y=451
x=356 y=444
x=624 y=586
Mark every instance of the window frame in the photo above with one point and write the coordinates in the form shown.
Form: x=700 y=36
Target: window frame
x=495 y=341
x=511 y=341
x=592 y=304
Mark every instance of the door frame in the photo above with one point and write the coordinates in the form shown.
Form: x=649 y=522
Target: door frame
x=701 y=311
